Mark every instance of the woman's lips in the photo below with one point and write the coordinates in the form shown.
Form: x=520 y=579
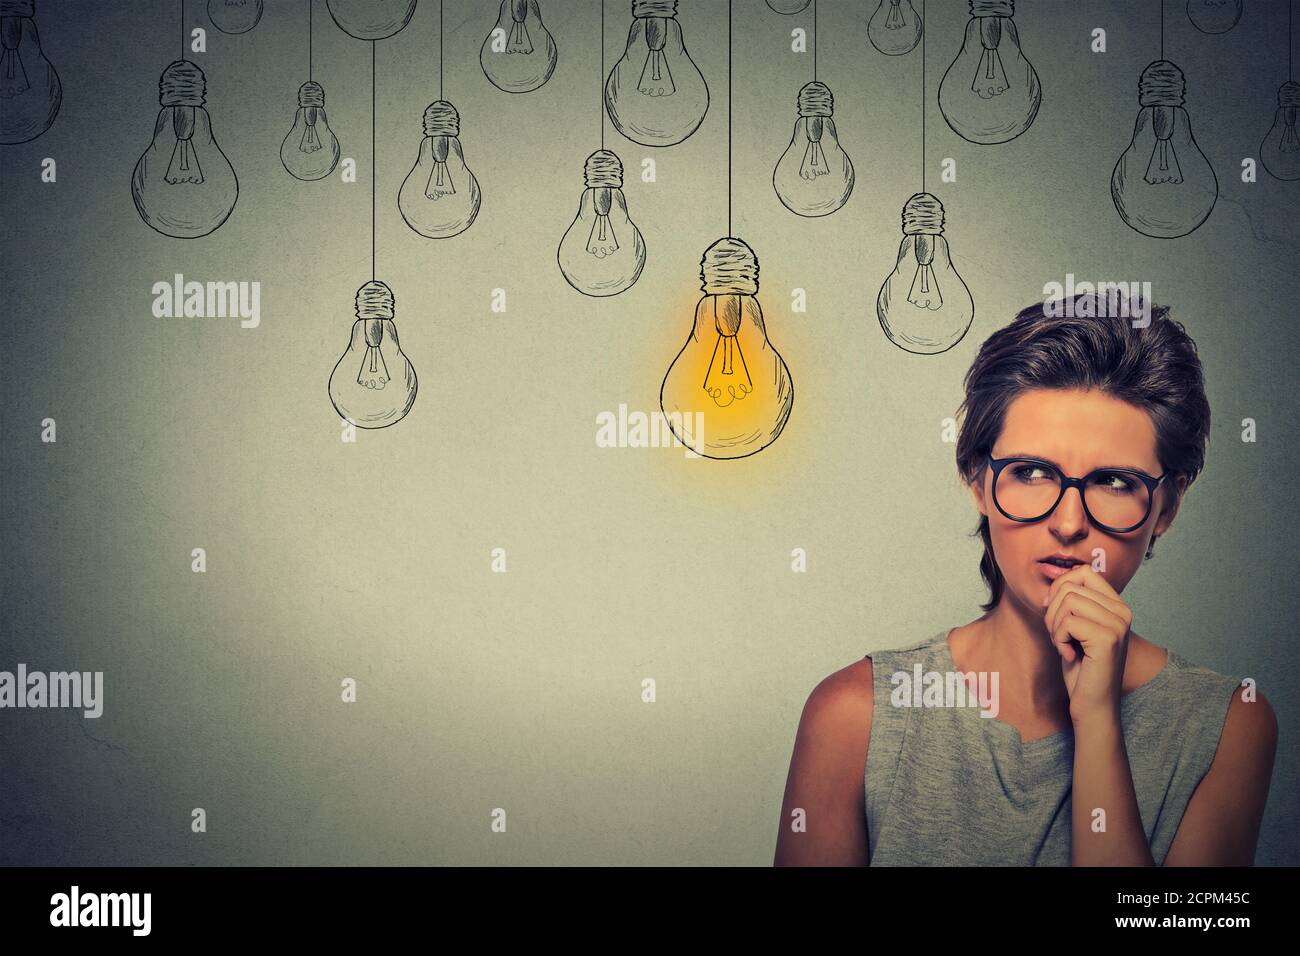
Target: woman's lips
x=1053 y=571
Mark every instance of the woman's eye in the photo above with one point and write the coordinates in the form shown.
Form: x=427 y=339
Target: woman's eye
x=1031 y=472
x=1115 y=482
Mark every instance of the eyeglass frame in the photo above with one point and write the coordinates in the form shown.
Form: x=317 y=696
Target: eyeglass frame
x=1066 y=483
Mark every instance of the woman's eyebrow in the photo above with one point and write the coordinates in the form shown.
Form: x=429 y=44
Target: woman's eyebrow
x=1017 y=454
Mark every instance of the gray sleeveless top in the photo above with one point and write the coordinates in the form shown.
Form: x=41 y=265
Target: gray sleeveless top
x=948 y=787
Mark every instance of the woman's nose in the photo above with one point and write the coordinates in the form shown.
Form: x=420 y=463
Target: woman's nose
x=1070 y=516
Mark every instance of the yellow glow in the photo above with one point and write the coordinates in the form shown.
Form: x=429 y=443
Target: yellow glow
x=728 y=372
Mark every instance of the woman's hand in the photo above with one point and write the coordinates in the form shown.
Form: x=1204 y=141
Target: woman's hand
x=1082 y=607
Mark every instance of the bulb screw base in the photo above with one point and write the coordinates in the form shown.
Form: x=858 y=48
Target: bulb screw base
x=1162 y=84
x=374 y=301
x=815 y=100
x=654 y=8
x=992 y=8
x=1288 y=94
x=923 y=216
x=311 y=93
x=182 y=84
x=729 y=267
x=17 y=8
x=603 y=168
x=441 y=119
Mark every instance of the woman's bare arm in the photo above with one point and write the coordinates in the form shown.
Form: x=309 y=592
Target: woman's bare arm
x=823 y=815
x=1220 y=826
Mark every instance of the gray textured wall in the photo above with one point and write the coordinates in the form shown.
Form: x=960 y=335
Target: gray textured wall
x=521 y=690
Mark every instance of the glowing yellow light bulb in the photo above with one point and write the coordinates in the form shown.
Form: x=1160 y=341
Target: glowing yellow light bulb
x=728 y=374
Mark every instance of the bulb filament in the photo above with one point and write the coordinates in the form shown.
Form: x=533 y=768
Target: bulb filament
x=894 y=18
x=601 y=241
x=722 y=384
x=374 y=371
x=656 y=79
x=13 y=73
x=1290 y=143
x=924 y=293
x=990 y=78
x=184 y=167
x=439 y=182
x=1163 y=166
x=519 y=40
x=814 y=161
x=310 y=141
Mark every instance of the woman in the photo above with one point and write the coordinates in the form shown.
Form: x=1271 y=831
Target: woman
x=1079 y=437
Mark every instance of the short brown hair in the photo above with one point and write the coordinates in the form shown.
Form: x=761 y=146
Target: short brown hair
x=1155 y=368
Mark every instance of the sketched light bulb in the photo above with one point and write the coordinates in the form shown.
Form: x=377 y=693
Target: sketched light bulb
x=440 y=196
x=311 y=150
x=373 y=385
x=1214 y=16
x=183 y=185
x=895 y=27
x=371 y=19
x=788 y=7
x=519 y=53
x=656 y=95
x=234 y=16
x=602 y=252
x=1163 y=185
x=924 y=306
x=727 y=376
x=990 y=93
x=1280 y=150
x=814 y=176
x=30 y=92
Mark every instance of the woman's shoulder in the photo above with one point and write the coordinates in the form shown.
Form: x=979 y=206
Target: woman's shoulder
x=1226 y=711
x=839 y=707
x=842 y=698
x=1178 y=675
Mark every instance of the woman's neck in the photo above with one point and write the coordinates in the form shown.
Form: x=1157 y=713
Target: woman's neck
x=1014 y=641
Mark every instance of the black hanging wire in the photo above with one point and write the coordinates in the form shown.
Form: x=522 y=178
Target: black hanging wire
x=309 y=5
x=1162 y=29
x=814 y=41
x=372 y=160
x=602 y=74
x=923 y=33
x=439 y=49
x=182 y=29
x=729 y=119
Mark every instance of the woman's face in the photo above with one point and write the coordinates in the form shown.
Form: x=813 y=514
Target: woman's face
x=1078 y=430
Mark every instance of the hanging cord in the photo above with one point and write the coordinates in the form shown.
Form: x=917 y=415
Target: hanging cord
x=182 y=29
x=923 y=33
x=602 y=74
x=1162 y=29
x=309 y=4
x=439 y=49
x=729 y=119
x=372 y=160
x=814 y=41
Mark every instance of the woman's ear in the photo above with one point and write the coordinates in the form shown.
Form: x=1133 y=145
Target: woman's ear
x=977 y=492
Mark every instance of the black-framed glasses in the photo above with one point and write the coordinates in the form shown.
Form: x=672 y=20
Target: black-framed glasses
x=1115 y=499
